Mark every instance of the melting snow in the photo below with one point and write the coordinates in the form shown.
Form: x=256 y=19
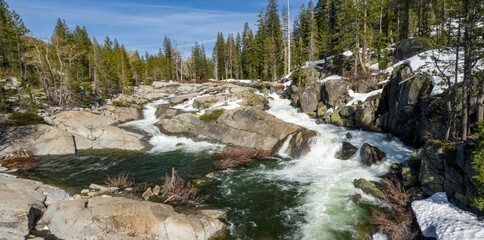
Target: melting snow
x=332 y=77
x=361 y=97
x=348 y=53
x=431 y=61
x=439 y=218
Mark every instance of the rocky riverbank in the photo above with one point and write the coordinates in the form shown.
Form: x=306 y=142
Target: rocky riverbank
x=29 y=208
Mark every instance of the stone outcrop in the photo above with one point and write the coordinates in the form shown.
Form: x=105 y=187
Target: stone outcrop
x=405 y=108
x=39 y=140
x=243 y=127
x=408 y=48
x=93 y=131
x=121 y=218
x=445 y=168
x=22 y=203
x=371 y=155
x=121 y=114
x=327 y=101
x=347 y=151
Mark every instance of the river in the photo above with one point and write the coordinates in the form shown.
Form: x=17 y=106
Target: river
x=281 y=198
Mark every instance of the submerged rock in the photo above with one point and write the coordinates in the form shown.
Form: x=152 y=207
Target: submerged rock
x=346 y=152
x=369 y=188
x=371 y=155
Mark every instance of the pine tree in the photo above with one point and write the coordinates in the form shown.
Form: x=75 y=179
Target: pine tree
x=169 y=62
x=219 y=57
x=275 y=41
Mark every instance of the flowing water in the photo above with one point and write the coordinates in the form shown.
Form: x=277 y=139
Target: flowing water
x=281 y=198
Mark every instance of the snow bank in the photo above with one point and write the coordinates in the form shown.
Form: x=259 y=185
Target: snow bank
x=361 y=97
x=439 y=64
x=441 y=219
x=332 y=77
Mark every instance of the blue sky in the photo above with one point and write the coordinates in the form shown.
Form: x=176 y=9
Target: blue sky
x=141 y=25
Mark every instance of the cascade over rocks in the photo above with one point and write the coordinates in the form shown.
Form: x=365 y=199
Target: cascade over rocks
x=243 y=127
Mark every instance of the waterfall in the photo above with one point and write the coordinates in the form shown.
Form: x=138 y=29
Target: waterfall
x=326 y=182
x=161 y=142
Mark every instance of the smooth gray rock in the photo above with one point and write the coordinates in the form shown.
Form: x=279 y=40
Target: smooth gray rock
x=121 y=218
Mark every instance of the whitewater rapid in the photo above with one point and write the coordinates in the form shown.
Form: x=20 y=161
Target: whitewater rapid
x=163 y=143
x=327 y=182
x=324 y=184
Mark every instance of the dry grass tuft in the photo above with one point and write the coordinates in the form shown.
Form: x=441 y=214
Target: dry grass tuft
x=234 y=157
x=120 y=181
x=178 y=191
x=19 y=160
x=397 y=226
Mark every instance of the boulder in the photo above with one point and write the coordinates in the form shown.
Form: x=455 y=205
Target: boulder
x=243 y=127
x=182 y=98
x=405 y=109
x=39 y=140
x=309 y=98
x=22 y=203
x=207 y=101
x=407 y=48
x=94 y=131
x=369 y=188
x=334 y=93
x=164 y=112
x=410 y=172
x=121 y=218
x=122 y=114
x=346 y=152
x=147 y=194
x=371 y=155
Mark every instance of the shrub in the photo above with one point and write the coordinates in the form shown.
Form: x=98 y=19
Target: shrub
x=178 y=191
x=213 y=116
x=120 y=181
x=478 y=165
x=118 y=103
x=25 y=119
x=397 y=225
x=234 y=157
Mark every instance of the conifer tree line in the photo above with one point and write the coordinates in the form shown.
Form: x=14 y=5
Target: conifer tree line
x=73 y=68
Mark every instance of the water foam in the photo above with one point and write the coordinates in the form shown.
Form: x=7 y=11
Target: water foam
x=161 y=142
x=327 y=182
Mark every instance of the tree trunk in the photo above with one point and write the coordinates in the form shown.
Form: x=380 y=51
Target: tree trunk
x=467 y=73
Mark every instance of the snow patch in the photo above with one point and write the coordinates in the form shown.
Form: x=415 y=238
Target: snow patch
x=439 y=218
x=348 y=53
x=439 y=64
x=332 y=78
x=361 y=97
